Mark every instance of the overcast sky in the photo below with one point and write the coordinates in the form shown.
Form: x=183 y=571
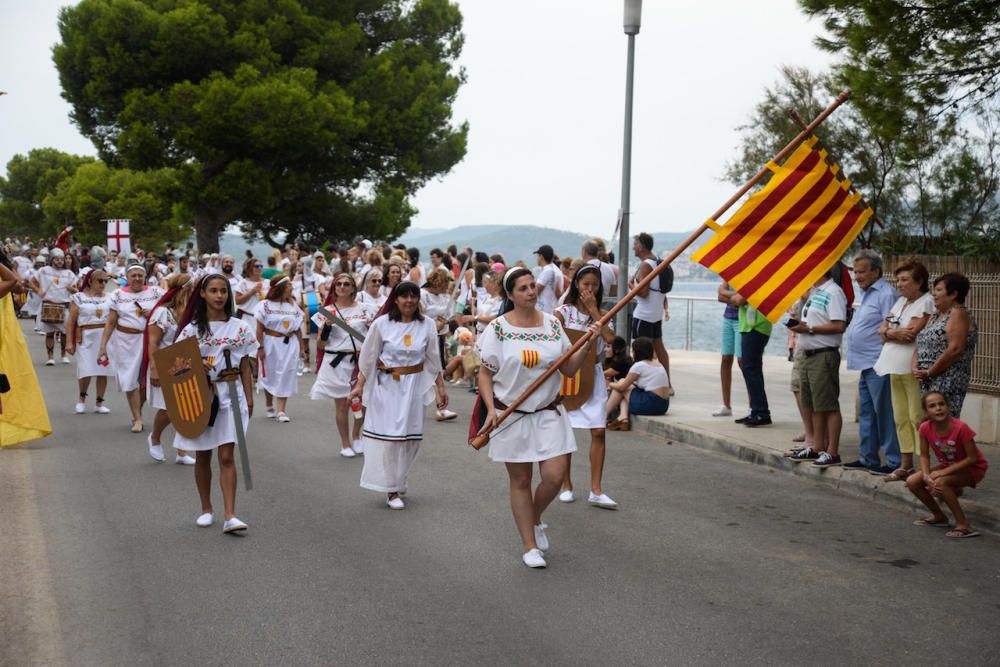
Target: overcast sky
x=545 y=102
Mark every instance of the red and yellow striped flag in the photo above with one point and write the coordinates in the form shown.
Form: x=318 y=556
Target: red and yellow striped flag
x=788 y=234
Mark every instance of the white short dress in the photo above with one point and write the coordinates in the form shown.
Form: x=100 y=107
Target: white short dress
x=55 y=283
x=162 y=318
x=125 y=349
x=394 y=417
x=340 y=356
x=375 y=302
x=234 y=335
x=277 y=375
x=249 y=307
x=593 y=413
x=517 y=357
x=91 y=310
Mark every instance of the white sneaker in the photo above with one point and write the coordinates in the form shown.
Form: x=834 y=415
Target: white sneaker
x=65 y=359
x=566 y=496
x=155 y=451
x=271 y=413
x=50 y=362
x=101 y=409
x=358 y=446
x=541 y=539
x=233 y=525
x=347 y=453
x=185 y=460
x=283 y=418
x=81 y=408
x=306 y=371
x=723 y=411
x=395 y=503
x=205 y=520
x=602 y=500
x=445 y=415
x=533 y=558
x=298 y=373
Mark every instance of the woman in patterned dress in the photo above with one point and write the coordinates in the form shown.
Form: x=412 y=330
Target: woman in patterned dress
x=88 y=313
x=946 y=345
x=515 y=349
x=161 y=329
x=279 y=335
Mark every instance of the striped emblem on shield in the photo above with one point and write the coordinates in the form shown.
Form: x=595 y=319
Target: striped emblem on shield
x=570 y=385
x=189 y=399
x=530 y=358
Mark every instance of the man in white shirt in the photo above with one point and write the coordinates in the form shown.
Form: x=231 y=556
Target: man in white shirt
x=589 y=253
x=549 y=283
x=647 y=318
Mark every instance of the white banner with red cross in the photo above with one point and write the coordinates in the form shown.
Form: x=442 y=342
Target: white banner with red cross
x=118 y=238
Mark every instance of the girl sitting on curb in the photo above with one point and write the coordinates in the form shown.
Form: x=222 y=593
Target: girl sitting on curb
x=960 y=464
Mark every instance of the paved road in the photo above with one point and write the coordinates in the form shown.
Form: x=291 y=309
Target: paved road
x=709 y=561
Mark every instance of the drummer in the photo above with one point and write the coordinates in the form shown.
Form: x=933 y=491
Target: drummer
x=55 y=285
x=121 y=342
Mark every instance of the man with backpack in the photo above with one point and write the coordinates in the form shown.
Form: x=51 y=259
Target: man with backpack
x=647 y=319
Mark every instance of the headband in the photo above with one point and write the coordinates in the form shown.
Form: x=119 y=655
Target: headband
x=281 y=281
x=136 y=266
x=507 y=276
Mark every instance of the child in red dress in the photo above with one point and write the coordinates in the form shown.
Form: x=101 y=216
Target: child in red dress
x=960 y=464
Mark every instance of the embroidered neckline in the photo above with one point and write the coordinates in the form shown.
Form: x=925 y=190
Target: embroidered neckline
x=554 y=333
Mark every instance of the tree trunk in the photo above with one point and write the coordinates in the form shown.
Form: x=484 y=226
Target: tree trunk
x=207 y=233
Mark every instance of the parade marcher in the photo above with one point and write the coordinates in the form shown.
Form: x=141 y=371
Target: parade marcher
x=581 y=309
x=515 y=349
x=228 y=266
x=393 y=276
x=400 y=373
x=435 y=301
x=209 y=317
x=340 y=358
x=121 y=342
x=88 y=314
x=55 y=285
x=372 y=292
x=33 y=305
x=160 y=331
x=279 y=335
x=250 y=290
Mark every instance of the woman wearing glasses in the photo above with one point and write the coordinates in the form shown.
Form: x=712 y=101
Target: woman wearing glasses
x=340 y=358
x=88 y=313
x=372 y=293
x=250 y=290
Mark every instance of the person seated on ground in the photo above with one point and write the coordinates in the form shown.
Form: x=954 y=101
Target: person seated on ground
x=616 y=365
x=960 y=464
x=464 y=340
x=643 y=391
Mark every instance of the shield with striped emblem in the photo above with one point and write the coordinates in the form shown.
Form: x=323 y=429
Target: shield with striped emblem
x=185 y=387
x=576 y=389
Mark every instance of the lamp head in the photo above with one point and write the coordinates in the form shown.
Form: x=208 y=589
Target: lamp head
x=633 y=16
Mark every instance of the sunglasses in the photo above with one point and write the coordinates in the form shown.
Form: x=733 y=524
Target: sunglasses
x=101 y=281
x=258 y=266
x=377 y=281
x=343 y=284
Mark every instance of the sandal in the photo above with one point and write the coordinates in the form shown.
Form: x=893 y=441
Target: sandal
x=898 y=475
x=931 y=523
x=799 y=438
x=620 y=425
x=961 y=533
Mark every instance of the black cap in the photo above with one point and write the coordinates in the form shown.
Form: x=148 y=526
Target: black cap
x=546 y=252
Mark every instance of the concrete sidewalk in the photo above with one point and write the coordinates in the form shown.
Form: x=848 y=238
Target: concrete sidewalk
x=689 y=420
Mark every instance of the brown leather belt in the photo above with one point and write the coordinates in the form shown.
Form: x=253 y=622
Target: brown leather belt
x=500 y=405
x=278 y=334
x=127 y=330
x=399 y=371
x=84 y=327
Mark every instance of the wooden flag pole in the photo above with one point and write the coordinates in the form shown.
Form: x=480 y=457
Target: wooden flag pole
x=482 y=439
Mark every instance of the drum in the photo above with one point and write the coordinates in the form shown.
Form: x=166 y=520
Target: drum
x=310 y=302
x=53 y=313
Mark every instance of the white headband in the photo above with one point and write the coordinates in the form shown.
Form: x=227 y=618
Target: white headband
x=507 y=276
x=281 y=281
x=136 y=266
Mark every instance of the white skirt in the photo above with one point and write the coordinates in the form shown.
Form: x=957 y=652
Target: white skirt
x=539 y=436
x=395 y=411
x=281 y=361
x=387 y=464
x=86 y=356
x=593 y=413
x=125 y=353
x=333 y=382
x=223 y=432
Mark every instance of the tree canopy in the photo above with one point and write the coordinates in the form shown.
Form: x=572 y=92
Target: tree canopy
x=30 y=179
x=314 y=119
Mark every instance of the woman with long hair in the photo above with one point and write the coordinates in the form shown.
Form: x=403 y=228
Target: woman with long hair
x=161 y=329
x=279 y=322
x=121 y=342
x=336 y=372
x=435 y=301
x=515 y=350
x=393 y=276
x=209 y=318
x=399 y=373
x=581 y=308
x=88 y=313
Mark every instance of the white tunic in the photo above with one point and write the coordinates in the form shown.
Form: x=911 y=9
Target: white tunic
x=34 y=302
x=335 y=381
x=234 y=335
x=593 y=413
x=125 y=349
x=281 y=355
x=162 y=318
x=55 y=283
x=91 y=310
x=435 y=306
x=259 y=290
x=517 y=357
x=375 y=302
x=394 y=420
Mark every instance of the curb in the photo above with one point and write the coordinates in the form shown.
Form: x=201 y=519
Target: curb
x=860 y=485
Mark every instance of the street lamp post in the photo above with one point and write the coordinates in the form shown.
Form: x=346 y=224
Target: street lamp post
x=633 y=19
